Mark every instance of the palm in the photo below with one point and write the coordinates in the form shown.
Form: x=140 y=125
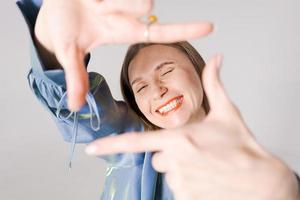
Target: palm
x=115 y=29
x=90 y=30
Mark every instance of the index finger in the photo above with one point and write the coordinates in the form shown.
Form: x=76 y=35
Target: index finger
x=134 y=142
x=167 y=33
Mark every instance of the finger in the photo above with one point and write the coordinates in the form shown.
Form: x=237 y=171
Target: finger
x=160 y=162
x=212 y=84
x=76 y=75
x=129 y=143
x=177 y=32
x=217 y=97
x=136 y=8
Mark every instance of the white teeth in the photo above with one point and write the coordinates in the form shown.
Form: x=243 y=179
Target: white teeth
x=170 y=106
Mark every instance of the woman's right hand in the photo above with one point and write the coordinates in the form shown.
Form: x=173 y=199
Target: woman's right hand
x=69 y=29
x=212 y=158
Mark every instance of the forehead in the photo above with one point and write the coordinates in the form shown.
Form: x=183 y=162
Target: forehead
x=148 y=58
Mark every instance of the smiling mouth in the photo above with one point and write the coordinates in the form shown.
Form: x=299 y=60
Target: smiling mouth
x=172 y=105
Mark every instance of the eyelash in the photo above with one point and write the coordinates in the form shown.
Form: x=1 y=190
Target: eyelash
x=141 y=88
x=161 y=75
x=167 y=72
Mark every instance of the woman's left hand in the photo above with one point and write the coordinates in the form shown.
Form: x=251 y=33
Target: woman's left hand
x=217 y=158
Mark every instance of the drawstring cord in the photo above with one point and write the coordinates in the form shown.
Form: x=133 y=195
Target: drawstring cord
x=93 y=112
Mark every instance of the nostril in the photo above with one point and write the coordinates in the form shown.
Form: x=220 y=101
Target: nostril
x=164 y=91
x=158 y=92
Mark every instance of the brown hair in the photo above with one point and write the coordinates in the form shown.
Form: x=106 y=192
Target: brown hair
x=133 y=50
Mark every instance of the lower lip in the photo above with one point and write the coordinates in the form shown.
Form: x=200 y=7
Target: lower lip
x=174 y=109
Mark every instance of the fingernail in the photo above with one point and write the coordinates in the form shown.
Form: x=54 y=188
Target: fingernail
x=91 y=149
x=73 y=106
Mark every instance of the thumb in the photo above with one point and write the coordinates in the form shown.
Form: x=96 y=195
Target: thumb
x=218 y=99
x=72 y=60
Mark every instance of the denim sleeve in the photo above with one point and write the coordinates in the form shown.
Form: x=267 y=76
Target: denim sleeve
x=50 y=88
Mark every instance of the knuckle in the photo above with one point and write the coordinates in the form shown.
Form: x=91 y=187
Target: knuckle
x=65 y=47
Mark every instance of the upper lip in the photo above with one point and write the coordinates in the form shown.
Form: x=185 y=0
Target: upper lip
x=157 y=110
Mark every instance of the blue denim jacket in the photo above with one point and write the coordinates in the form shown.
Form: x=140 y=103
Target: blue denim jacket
x=128 y=176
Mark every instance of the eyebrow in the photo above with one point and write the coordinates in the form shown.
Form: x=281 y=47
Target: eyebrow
x=158 y=67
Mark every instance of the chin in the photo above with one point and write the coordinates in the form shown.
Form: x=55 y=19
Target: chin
x=173 y=122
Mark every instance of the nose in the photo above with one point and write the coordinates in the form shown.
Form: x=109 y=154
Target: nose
x=159 y=91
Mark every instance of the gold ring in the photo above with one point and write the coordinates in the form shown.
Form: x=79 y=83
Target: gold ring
x=151 y=20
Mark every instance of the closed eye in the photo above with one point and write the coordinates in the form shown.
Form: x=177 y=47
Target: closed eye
x=142 y=88
x=167 y=72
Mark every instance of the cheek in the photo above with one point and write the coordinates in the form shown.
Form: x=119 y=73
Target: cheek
x=195 y=89
x=142 y=105
x=199 y=93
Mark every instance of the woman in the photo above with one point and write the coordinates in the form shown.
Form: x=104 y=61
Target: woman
x=161 y=84
x=129 y=176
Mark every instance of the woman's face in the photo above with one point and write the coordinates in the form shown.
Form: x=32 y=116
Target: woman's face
x=166 y=87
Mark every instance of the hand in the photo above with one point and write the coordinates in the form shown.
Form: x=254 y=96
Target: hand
x=71 y=28
x=216 y=158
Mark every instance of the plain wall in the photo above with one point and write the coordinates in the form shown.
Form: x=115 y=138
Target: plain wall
x=261 y=46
